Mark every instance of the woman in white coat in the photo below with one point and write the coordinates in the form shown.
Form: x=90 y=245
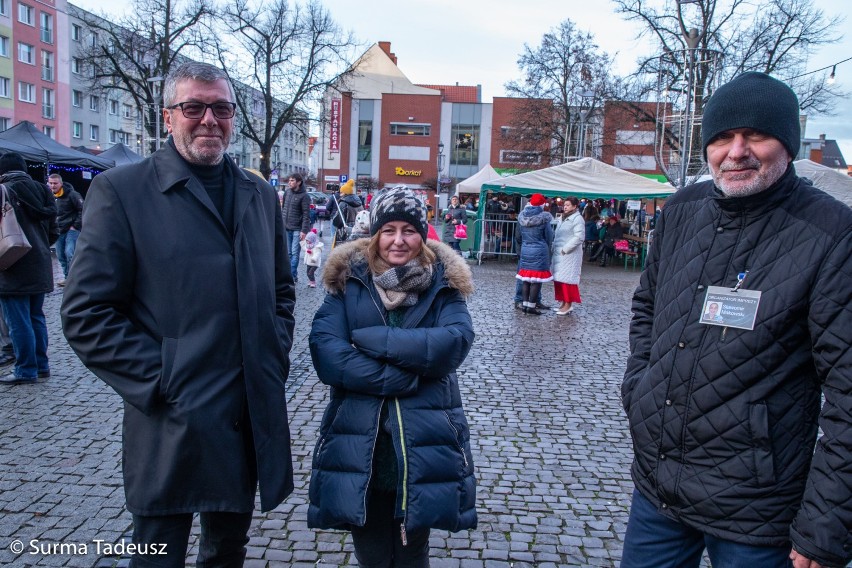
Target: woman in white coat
x=568 y=256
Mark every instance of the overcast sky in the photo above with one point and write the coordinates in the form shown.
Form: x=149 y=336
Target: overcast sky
x=477 y=42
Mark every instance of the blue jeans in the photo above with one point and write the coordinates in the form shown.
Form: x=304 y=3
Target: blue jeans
x=295 y=250
x=28 y=330
x=222 y=541
x=66 y=244
x=654 y=540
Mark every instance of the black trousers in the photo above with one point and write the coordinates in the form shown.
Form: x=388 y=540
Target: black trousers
x=222 y=544
x=378 y=544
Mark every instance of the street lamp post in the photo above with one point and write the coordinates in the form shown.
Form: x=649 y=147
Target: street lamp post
x=157 y=80
x=440 y=166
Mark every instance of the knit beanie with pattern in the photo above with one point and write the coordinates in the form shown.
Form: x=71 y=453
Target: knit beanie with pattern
x=753 y=100
x=398 y=204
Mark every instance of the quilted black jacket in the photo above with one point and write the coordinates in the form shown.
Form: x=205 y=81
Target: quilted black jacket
x=724 y=420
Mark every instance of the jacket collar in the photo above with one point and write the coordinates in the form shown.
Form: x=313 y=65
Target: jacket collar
x=348 y=260
x=173 y=173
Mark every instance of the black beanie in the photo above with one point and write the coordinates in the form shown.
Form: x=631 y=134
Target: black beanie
x=398 y=204
x=12 y=161
x=753 y=100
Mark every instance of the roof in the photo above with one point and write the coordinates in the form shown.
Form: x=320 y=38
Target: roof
x=375 y=74
x=832 y=157
x=827 y=179
x=586 y=177
x=27 y=140
x=473 y=184
x=457 y=93
x=121 y=155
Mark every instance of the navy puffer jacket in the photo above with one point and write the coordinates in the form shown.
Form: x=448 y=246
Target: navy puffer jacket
x=413 y=367
x=724 y=420
x=535 y=233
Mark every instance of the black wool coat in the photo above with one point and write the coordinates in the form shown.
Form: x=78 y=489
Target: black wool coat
x=411 y=367
x=192 y=327
x=724 y=420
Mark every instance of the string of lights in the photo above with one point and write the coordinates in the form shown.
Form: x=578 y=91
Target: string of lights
x=832 y=66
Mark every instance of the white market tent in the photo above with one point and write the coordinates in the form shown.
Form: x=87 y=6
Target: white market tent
x=473 y=184
x=586 y=177
x=834 y=183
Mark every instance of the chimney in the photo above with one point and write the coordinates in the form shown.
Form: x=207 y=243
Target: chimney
x=386 y=47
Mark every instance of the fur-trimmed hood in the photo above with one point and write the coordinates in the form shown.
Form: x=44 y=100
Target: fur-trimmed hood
x=533 y=215
x=347 y=256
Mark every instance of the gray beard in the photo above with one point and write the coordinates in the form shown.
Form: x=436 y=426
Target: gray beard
x=761 y=182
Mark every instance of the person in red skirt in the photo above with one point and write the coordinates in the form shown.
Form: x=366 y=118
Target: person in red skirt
x=567 y=259
x=535 y=234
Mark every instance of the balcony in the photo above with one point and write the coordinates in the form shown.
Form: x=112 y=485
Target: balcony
x=46 y=35
x=47 y=74
x=48 y=111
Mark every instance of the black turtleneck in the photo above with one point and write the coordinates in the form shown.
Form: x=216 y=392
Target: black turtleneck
x=218 y=182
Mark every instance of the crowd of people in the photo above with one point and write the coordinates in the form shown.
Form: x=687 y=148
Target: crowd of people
x=180 y=295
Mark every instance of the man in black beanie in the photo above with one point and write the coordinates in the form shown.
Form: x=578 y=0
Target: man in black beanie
x=724 y=415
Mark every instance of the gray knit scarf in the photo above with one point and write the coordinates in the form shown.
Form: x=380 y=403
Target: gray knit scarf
x=400 y=286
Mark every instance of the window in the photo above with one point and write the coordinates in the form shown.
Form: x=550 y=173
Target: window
x=5 y=87
x=4 y=46
x=26 y=92
x=127 y=111
x=46 y=66
x=410 y=129
x=93 y=132
x=77 y=129
x=365 y=140
x=465 y=145
x=116 y=136
x=3 y=12
x=76 y=32
x=4 y=124
x=26 y=14
x=46 y=28
x=77 y=98
x=113 y=106
x=26 y=53
x=93 y=103
x=48 y=109
x=76 y=65
x=93 y=40
x=48 y=131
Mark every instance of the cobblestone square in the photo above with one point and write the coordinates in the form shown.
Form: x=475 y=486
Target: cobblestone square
x=541 y=393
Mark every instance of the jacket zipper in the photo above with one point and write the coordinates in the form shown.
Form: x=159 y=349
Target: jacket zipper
x=372 y=456
x=456 y=435
x=404 y=505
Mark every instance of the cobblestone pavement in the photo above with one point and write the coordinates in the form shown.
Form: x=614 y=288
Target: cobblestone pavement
x=549 y=438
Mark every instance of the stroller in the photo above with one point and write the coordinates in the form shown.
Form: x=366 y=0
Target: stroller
x=346 y=219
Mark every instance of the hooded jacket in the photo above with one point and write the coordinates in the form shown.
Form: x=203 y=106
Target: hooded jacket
x=35 y=209
x=535 y=234
x=413 y=368
x=724 y=420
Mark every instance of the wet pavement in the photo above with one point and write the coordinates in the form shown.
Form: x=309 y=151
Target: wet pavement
x=541 y=393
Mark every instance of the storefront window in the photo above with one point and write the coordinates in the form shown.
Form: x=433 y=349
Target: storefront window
x=465 y=145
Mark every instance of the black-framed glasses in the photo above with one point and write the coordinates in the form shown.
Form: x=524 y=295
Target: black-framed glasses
x=195 y=110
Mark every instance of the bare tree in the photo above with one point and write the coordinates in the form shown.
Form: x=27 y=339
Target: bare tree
x=568 y=69
x=132 y=54
x=287 y=55
x=703 y=43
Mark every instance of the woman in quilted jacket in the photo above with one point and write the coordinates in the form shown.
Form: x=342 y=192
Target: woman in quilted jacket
x=393 y=459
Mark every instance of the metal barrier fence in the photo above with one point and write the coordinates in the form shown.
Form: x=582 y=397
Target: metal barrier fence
x=496 y=237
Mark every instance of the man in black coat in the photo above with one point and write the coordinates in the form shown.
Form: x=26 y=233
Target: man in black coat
x=181 y=299
x=724 y=412
x=24 y=284
x=69 y=220
x=297 y=219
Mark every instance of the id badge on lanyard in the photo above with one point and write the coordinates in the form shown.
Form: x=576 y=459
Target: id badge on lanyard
x=731 y=307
